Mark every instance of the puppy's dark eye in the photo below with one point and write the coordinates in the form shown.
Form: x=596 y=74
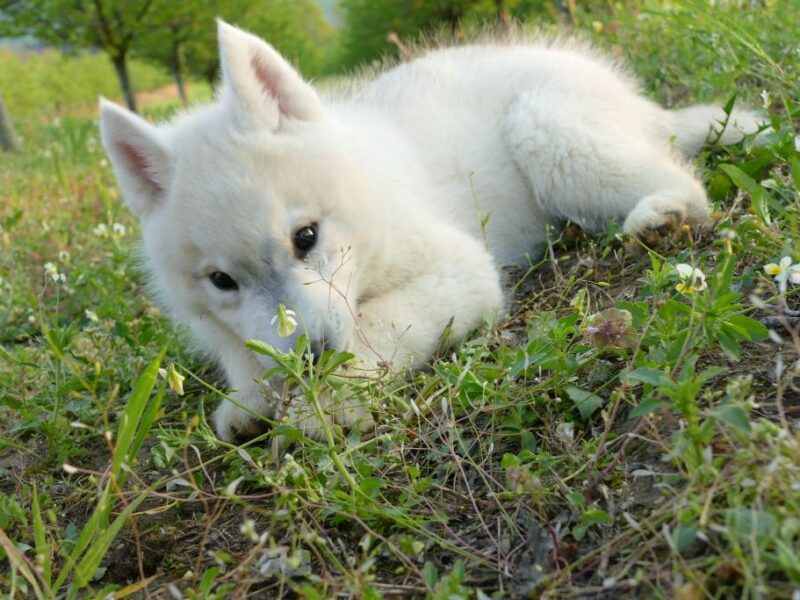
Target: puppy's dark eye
x=223 y=281
x=305 y=238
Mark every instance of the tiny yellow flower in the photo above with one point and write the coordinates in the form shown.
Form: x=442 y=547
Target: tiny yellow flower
x=174 y=379
x=286 y=321
x=692 y=280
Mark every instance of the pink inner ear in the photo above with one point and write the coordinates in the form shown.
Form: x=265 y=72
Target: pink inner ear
x=142 y=167
x=268 y=83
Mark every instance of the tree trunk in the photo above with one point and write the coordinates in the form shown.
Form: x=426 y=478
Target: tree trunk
x=8 y=139
x=121 y=67
x=177 y=72
x=211 y=75
x=501 y=12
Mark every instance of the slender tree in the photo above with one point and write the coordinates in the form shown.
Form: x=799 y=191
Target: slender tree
x=8 y=138
x=110 y=25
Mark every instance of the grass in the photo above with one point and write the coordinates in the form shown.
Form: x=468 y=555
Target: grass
x=612 y=437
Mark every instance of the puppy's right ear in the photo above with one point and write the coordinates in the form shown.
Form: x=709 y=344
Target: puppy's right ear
x=259 y=85
x=141 y=164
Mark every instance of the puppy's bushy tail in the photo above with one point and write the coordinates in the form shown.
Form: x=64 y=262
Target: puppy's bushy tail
x=697 y=125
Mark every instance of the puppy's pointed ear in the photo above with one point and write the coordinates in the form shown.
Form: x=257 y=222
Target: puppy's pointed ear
x=259 y=85
x=141 y=163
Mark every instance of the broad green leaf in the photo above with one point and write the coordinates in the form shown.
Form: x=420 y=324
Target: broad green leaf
x=748 y=522
x=586 y=402
x=654 y=377
x=708 y=374
x=729 y=344
x=796 y=172
x=430 y=574
x=260 y=347
x=742 y=180
x=734 y=416
x=646 y=407
x=759 y=202
x=755 y=330
x=683 y=536
x=371 y=486
x=335 y=359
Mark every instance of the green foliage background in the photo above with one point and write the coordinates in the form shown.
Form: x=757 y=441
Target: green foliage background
x=47 y=82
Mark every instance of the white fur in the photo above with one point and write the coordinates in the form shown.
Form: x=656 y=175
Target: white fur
x=398 y=175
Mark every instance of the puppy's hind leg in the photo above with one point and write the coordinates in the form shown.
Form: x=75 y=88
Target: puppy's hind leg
x=590 y=162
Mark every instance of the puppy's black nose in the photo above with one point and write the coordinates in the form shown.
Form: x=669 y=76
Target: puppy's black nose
x=315 y=348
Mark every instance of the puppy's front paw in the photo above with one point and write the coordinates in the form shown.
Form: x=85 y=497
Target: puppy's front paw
x=341 y=407
x=664 y=221
x=234 y=424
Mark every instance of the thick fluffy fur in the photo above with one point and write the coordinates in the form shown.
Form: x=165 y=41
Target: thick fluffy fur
x=398 y=176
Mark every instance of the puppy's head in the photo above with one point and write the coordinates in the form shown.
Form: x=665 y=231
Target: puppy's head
x=246 y=204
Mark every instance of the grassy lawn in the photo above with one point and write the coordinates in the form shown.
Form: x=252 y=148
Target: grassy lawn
x=623 y=432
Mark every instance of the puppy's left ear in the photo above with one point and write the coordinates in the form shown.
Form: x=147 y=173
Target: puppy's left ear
x=259 y=85
x=141 y=162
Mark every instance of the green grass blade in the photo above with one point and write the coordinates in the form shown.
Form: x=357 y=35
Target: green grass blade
x=146 y=422
x=91 y=561
x=16 y=559
x=93 y=525
x=128 y=429
x=40 y=539
x=129 y=423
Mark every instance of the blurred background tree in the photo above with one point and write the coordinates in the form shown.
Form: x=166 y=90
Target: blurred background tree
x=105 y=24
x=320 y=37
x=368 y=23
x=177 y=35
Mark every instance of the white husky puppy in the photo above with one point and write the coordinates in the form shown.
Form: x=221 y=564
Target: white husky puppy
x=381 y=216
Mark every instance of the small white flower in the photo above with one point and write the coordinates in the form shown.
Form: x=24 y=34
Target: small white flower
x=285 y=318
x=692 y=279
x=52 y=271
x=101 y=230
x=63 y=257
x=784 y=271
x=91 y=315
x=118 y=229
x=248 y=529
